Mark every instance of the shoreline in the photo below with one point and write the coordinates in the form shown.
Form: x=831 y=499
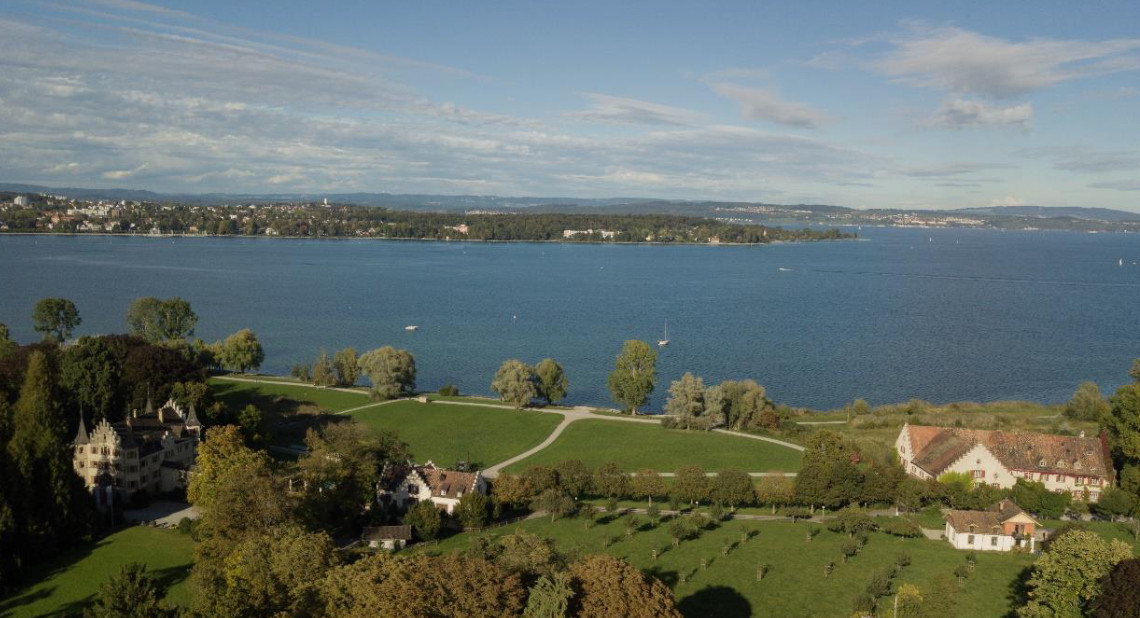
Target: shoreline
x=432 y=240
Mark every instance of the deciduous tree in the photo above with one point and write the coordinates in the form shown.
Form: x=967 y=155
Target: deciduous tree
x=55 y=319
x=1067 y=577
x=133 y=593
x=611 y=481
x=634 y=375
x=1120 y=592
x=347 y=367
x=1087 y=404
x=691 y=484
x=686 y=401
x=392 y=371
x=242 y=351
x=732 y=487
x=550 y=380
x=648 y=484
x=157 y=320
x=514 y=383
x=425 y=519
x=612 y=587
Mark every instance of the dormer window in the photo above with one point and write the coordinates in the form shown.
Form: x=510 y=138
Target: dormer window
x=1077 y=465
x=1061 y=463
x=1041 y=463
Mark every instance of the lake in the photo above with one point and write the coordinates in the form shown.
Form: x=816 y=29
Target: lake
x=941 y=315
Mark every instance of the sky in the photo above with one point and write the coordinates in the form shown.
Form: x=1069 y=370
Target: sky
x=864 y=104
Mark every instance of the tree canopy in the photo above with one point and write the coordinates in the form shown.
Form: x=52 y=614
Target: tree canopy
x=392 y=371
x=55 y=319
x=634 y=375
x=514 y=383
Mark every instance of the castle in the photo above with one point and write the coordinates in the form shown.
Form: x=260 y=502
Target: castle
x=150 y=453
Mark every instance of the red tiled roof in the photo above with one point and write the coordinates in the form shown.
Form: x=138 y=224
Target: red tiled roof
x=935 y=448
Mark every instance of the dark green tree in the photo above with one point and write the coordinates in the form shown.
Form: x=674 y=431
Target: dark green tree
x=55 y=319
x=133 y=593
x=425 y=519
x=159 y=320
x=242 y=351
x=347 y=367
x=90 y=372
x=7 y=345
x=550 y=380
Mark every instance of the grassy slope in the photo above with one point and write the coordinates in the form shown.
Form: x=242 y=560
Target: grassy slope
x=795 y=585
x=237 y=395
x=73 y=579
x=448 y=433
x=635 y=446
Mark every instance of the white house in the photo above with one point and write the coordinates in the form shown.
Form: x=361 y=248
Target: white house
x=407 y=485
x=1076 y=464
x=1002 y=527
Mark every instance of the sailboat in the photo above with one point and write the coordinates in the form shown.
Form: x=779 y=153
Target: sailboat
x=664 y=342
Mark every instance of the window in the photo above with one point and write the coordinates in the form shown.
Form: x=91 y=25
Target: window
x=993 y=541
x=970 y=539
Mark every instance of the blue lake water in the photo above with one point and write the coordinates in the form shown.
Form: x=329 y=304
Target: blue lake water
x=942 y=315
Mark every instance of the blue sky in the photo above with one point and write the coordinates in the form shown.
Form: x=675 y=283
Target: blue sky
x=885 y=104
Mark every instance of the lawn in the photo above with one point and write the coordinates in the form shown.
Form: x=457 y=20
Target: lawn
x=237 y=395
x=795 y=585
x=67 y=583
x=446 y=433
x=636 y=446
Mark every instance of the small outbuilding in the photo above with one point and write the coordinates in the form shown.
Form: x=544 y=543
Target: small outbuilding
x=1002 y=527
x=387 y=537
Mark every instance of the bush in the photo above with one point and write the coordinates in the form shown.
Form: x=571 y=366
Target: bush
x=900 y=526
x=849 y=548
x=302 y=372
x=716 y=511
x=902 y=559
x=879 y=585
x=186 y=525
x=653 y=511
x=864 y=604
x=851 y=521
x=449 y=390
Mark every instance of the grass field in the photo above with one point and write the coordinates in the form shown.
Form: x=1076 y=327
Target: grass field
x=447 y=433
x=72 y=580
x=237 y=395
x=636 y=446
x=795 y=585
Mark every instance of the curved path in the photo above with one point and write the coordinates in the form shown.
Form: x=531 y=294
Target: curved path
x=569 y=416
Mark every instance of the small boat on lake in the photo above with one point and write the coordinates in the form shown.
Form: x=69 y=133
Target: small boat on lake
x=411 y=327
x=664 y=342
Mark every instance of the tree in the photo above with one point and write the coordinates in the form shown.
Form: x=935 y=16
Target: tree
x=610 y=481
x=157 y=320
x=732 y=487
x=91 y=373
x=556 y=502
x=1066 y=578
x=828 y=477
x=549 y=597
x=745 y=404
x=418 y=585
x=472 y=510
x=324 y=370
x=251 y=422
x=51 y=495
x=425 y=519
x=511 y=489
x=1120 y=592
x=1114 y=503
x=392 y=371
x=347 y=367
x=1123 y=423
x=340 y=468
x=270 y=573
x=612 y=587
x=691 y=484
x=550 y=381
x=647 y=484
x=1134 y=370
x=908 y=602
x=686 y=400
x=1086 y=404
x=55 y=319
x=529 y=555
x=131 y=594
x=242 y=351
x=574 y=477
x=634 y=375
x=7 y=345
x=514 y=383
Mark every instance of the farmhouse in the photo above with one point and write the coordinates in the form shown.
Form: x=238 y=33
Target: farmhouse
x=150 y=452
x=1078 y=465
x=405 y=485
x=1002 y=527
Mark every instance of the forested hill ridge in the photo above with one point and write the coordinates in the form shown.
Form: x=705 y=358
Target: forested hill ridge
x=59 y=215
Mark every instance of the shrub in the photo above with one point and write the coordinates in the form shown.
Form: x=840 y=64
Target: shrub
x=186 y=525
x=849 y=548
x=716 y=511
x=864 y=604
x=902 y=559
x=879 y=585
x=302 y=372
x=449 y=390
x=852 y=520
x=900 y=526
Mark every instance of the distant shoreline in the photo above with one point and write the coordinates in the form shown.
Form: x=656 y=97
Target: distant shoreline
x=432 y=240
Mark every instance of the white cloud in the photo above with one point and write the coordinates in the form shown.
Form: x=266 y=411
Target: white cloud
x=760 y=104
x=610 y=109
x=959 y=113
x=1008 y=200
x=964 y=62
